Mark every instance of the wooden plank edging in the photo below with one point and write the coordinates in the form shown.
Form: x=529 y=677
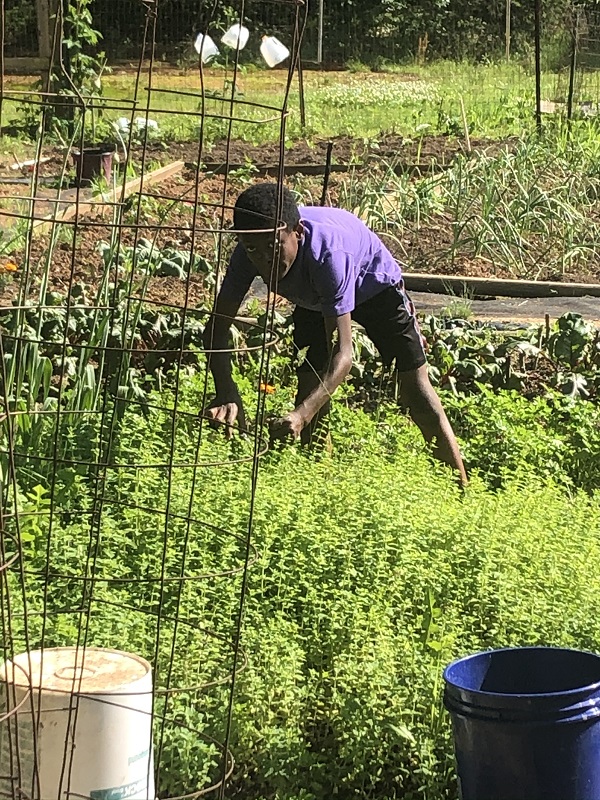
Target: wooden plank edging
x=272 y=170
x=89 y=203
x=464 y=286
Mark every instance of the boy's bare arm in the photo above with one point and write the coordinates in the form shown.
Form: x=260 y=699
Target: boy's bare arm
x=227 y=406
x=339 y=337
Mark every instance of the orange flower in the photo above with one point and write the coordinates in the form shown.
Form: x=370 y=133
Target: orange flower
x=267 y=388
x=9 y=266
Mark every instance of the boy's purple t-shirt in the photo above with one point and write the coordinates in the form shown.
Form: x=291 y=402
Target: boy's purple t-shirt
x=340 y=264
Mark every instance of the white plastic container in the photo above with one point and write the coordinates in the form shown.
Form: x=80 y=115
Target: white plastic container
x=236 y=37
x=142 y=123
x=104 y=742
x=205 y=47
x=273 y=51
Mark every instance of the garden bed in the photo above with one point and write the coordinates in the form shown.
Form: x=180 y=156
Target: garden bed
x=476 y=219
x=346 y=151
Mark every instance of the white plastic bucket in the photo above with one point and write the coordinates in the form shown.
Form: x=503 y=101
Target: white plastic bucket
x=273 y=51
x=104 y=743
x=236 y=37
x=205 y=47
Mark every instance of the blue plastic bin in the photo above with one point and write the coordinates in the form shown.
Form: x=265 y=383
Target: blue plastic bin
x=526 y=724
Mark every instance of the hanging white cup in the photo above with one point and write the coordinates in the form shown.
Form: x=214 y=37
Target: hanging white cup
x=236 y=37
x=205 y=47
x=273 y=51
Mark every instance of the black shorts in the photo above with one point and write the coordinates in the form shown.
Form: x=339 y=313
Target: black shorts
x=389 y=320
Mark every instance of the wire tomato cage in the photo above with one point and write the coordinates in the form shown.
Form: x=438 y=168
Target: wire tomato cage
x=107 y=542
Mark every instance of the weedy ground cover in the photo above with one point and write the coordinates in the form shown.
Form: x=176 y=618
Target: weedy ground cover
x=360 y=591
x=372 y=572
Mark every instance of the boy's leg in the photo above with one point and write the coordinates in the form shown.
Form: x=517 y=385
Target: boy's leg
x=426 y=411
x=390 y=322
x=309 y=332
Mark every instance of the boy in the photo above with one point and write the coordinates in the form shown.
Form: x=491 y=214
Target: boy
x=334 y=269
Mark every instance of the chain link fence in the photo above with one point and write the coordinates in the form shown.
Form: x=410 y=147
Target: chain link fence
x=586 y=61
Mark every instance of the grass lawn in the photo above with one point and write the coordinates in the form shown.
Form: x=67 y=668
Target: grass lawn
x=498 y=100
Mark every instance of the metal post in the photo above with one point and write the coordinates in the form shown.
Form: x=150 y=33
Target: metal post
x=538 y=63
x=44 y=39
x=301 y=91
x=507 y=28
x=327 y=173
x=320 y=34
x=573 y=65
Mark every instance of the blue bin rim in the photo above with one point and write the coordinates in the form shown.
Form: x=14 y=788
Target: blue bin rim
x=566 y=692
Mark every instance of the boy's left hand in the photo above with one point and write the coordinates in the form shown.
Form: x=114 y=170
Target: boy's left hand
x=290 y=425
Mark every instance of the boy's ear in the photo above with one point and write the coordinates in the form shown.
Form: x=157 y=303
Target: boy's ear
x=299 y=229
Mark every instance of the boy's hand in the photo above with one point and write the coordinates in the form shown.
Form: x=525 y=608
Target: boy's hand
x=290 y=425
x=226 y=412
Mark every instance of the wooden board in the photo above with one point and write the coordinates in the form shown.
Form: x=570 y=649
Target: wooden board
x=89 y=202
x=25 y=66
x=319 y=169
x=491 y=287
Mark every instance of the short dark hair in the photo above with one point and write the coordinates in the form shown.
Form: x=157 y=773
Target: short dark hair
x=256 y=208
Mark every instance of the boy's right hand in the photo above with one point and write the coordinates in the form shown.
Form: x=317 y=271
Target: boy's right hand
x=226 y=412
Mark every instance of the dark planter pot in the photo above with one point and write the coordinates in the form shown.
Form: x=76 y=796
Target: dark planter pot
x=92 y=162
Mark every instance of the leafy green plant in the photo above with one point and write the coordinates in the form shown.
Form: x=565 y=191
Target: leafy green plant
x=79 y=78
x=246 y=173
x=349 y=622
x=31 y=509
x=460 y=305
x=465 y=356
x=555 y=437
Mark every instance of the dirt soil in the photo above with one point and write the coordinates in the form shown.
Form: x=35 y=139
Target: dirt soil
x=346 y=150
x=167 y=225
x=16 y=183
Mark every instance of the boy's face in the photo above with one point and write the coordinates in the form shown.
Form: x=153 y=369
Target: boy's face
x=259 y=249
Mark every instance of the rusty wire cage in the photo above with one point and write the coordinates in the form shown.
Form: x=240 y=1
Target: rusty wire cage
x=112 y=253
